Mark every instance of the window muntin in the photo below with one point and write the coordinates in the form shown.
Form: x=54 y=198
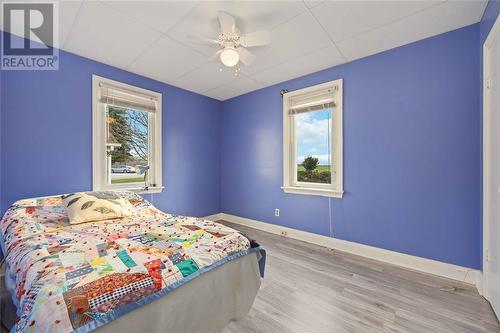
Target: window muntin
x=312 y=141
x=127 y=137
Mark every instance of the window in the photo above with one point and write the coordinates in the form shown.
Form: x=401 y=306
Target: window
x=312 y=140
x=126 y=137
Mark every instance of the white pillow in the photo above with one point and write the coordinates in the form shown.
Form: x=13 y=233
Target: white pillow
x=96 y=206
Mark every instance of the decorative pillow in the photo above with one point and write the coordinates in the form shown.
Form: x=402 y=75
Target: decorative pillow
x=95 y=206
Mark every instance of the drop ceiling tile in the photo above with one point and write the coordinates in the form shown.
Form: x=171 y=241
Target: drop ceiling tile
x=107 y=35
x=436 y=20
x=209 y=76
x=310 y=63
x=159 y=15
x=167 y=60
x=250 y=16
x=345 y=19
x=68 y=11
x=299 y=36
x=238 y=86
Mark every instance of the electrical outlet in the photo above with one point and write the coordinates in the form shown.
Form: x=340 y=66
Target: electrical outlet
x=284 y=233
x=276 y=212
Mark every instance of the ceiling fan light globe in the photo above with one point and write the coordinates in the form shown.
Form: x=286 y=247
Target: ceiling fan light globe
x=229 y=57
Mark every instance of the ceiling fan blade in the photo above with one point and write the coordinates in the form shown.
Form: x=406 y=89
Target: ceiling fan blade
x=204 y=40
x=227 y=23
x=257 y=38
x=216 y=55
x=246 y=56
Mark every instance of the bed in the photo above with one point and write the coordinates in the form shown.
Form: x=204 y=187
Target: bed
x=152 y=271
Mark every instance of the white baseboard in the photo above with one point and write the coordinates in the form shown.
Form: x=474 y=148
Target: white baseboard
x=458 y=273
x=214 y=217
x=479 y=283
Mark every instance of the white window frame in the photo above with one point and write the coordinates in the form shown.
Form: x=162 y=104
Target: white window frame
x=290 y=183
x=99 y=155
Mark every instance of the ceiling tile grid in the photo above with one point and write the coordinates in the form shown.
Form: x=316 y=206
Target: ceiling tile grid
x=158 y=15
x=424 y=24
x=290 y=40
x=166 y=60
x=155 y=38
x=107 y=35
x=343 y=22
x=300 y=66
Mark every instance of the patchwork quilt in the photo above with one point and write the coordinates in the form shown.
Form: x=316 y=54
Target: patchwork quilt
x=70 y=277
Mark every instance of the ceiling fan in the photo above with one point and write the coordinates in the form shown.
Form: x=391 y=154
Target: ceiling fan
x=233 y=45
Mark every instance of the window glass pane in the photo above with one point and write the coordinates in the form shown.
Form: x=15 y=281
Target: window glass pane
x=313 y=131
x=127 y=145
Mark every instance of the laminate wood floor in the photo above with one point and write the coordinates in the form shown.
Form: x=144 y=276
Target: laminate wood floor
x=309 y=288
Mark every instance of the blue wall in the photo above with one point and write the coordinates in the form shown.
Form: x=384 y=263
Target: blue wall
x=46 y=136
x=412 y=146
x=411 y=152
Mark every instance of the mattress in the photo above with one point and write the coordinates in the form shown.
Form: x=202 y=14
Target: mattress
x=153 y=271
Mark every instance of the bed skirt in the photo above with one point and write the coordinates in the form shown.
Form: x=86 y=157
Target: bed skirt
x=205 y=304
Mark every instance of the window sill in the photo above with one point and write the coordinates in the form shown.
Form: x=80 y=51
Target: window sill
x=151 y=190
x=313 y=191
